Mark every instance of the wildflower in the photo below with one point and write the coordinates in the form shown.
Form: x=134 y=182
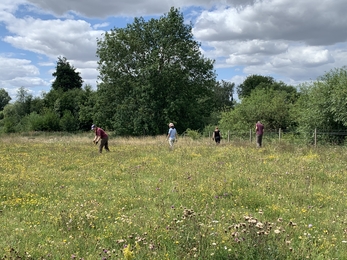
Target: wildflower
x=259 y=225
x=128 y=254
x=277 y=231
x=310 y=225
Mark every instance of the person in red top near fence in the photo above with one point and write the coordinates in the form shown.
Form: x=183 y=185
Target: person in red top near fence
x=100 y=135
x=259 y=130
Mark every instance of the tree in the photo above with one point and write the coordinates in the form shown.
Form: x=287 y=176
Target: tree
x=268 y=105
x=66 y=77
x=152 y=72
x=323 y=105
x=4 y=98
x=23 y=102
x=223 y=93
x=87 y=103
x=11 y=119
x=252 y=82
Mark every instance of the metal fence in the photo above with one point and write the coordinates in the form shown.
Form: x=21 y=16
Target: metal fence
x=315 y=137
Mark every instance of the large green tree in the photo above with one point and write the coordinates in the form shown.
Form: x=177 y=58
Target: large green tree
x=223 y=93
x=252 y=82
x=66 y=77
x=323 y=104
x=269 y=105
x=152 y=72
x=4 y=98
x=66 y=98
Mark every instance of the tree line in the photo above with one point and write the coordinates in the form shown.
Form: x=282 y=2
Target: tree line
x=152 y=73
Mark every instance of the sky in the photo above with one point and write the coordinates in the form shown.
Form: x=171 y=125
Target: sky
x=294 y=41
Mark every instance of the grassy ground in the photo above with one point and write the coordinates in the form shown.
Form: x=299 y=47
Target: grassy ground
x=61 y=199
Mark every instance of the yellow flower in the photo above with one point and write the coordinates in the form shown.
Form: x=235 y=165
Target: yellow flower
x=128 y=254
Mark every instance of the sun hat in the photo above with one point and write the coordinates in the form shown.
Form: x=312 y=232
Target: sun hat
x=93 y=126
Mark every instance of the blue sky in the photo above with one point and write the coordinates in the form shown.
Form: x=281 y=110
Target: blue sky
x=293 y=41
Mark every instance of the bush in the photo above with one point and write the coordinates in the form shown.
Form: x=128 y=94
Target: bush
x=193 y=134
x=68 y=122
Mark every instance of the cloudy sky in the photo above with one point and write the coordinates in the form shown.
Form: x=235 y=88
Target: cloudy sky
x=293 y=41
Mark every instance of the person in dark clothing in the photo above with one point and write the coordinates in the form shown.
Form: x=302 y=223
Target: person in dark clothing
x=259 y=131
x=100 y=135
x=216 y=135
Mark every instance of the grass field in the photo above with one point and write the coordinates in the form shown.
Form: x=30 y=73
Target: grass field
x=60 y=199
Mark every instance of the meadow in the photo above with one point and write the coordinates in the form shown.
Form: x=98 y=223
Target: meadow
x=61 y=199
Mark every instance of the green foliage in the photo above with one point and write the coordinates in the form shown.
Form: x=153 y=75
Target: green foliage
x=58 y=109
x=223 y=93
x=68 y=122
x=35 y=121
x=193 y=134
x=79 y=102
x=251 y=83
x=66 y=77
x=46 y=121
x=23 y=102
x=152 y=73
x=11 y=118
x=322 y=105
x=265 y=104
x=4 y=98
x=86 y=103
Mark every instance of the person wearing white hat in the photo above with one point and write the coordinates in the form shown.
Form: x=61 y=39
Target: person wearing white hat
x=100 y=135
x=172 y=135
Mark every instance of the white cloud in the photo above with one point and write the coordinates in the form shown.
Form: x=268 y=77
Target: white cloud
x=291 y=40
x=11 y=68
x=100 y=25
x=289 y=20
x=310 y=56
x=74 y=39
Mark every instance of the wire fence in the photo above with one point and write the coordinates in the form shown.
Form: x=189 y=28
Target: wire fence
x=315 y=137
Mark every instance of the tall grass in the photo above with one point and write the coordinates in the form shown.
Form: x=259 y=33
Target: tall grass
x=61 y=199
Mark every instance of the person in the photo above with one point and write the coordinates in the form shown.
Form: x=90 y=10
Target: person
x=216 y=135
x=172 y=135
x=100 y=135
x=259 y=131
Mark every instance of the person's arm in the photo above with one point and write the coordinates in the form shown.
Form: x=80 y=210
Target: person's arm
x=96 y=138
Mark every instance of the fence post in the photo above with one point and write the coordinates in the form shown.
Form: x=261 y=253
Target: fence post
x=279 y=135
x=315 y=137
x=250 y=135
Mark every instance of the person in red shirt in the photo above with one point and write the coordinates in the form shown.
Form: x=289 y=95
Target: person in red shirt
x=259 y=130
x=100 y=135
